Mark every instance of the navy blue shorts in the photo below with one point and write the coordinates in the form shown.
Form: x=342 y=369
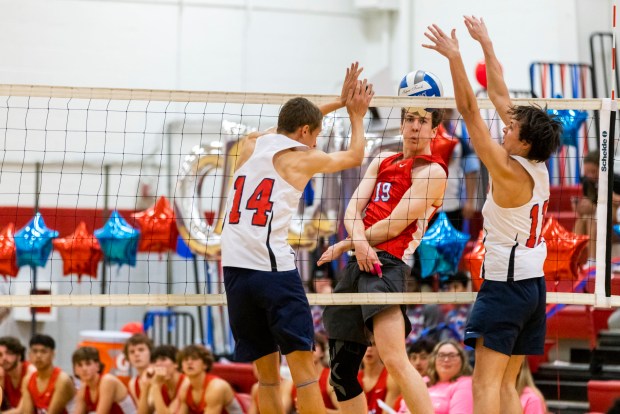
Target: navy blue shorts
x=510 y=316
x=268 y=312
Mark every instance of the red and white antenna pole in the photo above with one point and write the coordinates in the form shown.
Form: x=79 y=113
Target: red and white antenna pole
x=613 y=53
x=609 y=107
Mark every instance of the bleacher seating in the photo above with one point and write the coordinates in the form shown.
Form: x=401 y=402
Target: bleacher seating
x=239 y=375
x=602 y=394
x=560 y=204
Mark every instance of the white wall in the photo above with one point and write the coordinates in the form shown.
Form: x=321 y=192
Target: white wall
x=269 y=45
x=287 y=46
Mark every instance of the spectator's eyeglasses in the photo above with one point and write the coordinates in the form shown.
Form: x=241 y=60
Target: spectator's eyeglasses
x=449 y=355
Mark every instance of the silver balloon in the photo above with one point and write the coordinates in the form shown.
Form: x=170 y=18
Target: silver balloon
x=202 y=237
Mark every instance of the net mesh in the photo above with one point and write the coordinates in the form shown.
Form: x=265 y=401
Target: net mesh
x=106 y=157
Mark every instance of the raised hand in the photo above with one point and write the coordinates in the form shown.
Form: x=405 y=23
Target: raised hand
x=442 y=43
x=350 y=81
x=359 y=98
x=477 y=29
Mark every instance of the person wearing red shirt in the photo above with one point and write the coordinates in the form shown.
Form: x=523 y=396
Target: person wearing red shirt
x=49 y=390
x=204 y=393
x=385 y=219
x=101 y=394
x=165 y=392
x=138 y=350
x=17 y=372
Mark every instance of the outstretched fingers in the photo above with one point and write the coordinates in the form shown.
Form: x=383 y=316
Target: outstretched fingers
x=442 y=43
x=350 y=81
x=476 y=28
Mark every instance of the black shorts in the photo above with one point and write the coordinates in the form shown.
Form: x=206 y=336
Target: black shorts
x=354 y=322
x=510 y=316
x=268 y=312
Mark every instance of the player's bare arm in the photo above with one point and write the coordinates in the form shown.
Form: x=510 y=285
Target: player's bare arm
x=428 y=184
x=353 y=219
x=348 y=84
x=299 y=166
x=107 y=394
x=502 y=168
x=217 y=395
x=80 y=402
x=496 y=86
x=63 y=393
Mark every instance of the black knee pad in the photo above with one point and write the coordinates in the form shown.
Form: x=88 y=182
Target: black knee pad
x=345 y=359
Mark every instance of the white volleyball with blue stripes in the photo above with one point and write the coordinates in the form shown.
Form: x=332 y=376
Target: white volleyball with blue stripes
x=420 y=83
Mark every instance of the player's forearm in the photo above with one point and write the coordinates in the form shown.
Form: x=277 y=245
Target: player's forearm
x=143 y=401
x=384 y=230
x=466 y=102
x=496 y=86
x=331 y=107
x=358 y=141
x=158 y=402
x=354 y=223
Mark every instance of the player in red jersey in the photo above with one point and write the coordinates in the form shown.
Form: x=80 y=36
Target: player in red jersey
x=204 y=393
x=385 y=219
x=138 y=350
x=98 y=393
x=376 y=382
x=17 y=372
x=165 y=393
x=49 y=390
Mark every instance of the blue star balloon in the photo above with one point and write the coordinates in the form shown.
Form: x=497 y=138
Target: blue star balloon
x=33 y=243
x=441 y=248
x=571 y=122
x=118 y=240
x=617 y=229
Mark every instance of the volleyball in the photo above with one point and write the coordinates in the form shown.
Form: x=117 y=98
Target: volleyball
x=420 y=83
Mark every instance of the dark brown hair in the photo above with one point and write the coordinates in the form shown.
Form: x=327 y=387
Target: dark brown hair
x=298 y=112
x=196 y=351
x=87 y=353
x=137 y=339
x=539 y=129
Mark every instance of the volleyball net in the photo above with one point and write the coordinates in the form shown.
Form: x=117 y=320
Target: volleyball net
x=114 y=197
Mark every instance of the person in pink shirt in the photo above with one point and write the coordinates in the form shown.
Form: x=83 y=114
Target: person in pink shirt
x=531 y=398
x=449 y=380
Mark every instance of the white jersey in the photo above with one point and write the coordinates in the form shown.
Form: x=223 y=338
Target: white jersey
x=515 y=249
x=259 y=209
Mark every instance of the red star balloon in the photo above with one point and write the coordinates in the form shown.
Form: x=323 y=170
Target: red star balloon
x=563 y=251
x=80 y=252
x=8 y=256
x=443 y=144
x=473 y=262
x=158 y=230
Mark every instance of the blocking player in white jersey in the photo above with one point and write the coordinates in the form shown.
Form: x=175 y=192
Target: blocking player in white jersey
x=508 y=318
x=268 y=309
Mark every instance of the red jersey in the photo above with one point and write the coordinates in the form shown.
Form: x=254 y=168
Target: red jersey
x=378 y=392
x=136 y=387
x=42 y=400
x=324 y=386
x=393 y=180
x=91 y=406
x=164 y=390
x=12 y=394
x=234 y=407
